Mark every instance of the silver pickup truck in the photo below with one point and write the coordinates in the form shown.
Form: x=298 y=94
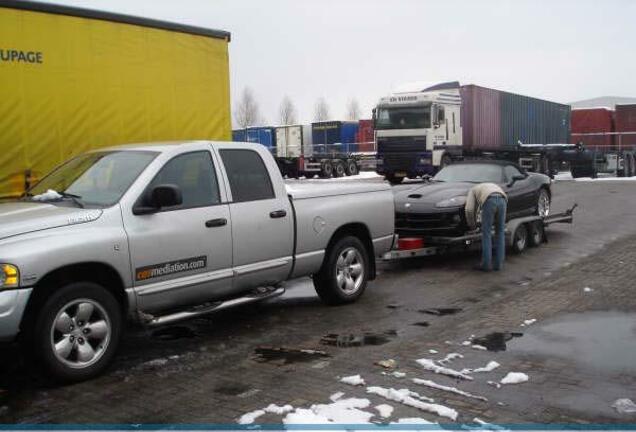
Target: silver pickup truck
x=162 y=232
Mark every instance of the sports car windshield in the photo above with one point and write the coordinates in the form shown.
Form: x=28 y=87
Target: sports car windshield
x=471 y=173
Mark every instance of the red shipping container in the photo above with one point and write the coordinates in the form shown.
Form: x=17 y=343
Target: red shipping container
x=592 y=120
x=626 y=122
x=365 y=136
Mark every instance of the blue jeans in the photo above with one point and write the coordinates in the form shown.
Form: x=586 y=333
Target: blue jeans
x=493 y=213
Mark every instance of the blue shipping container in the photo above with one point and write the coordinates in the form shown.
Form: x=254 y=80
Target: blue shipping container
x=332 y=132
x=261 y=135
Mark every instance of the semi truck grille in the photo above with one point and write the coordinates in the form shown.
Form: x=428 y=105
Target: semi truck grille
x=401 y=144
x=430 y=224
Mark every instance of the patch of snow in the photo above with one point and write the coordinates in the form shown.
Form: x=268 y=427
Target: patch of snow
x=494 y=384
x=405 y=397
x=600 y=179
x=354 y=380
x=466 y=343
x=479 y=347
x=251 y=417
x=624 y=406
x=563 y=175
x=430 y=365
x=449 y=358
x=345 y=411
x=304 y=416
x=280 y=410
x=514 y=378
x=491 y=366
x=587 y=289
x=432 y=351
x=384 y=410
x=334 y=397
x=487 y=426
x=528 y=322
x=434 y=385
x=49 y=195
x=412 y=420
x=395 y=374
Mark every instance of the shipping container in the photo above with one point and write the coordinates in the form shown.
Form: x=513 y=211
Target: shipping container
x=626 y=122
x=365 y=136
x=592 y=120
x=262 y=135
x=289 y=141
x=74 y=80
x=497 y=120
x=334 y=136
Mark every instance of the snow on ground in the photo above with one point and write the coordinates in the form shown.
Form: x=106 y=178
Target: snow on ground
x=49 y=195
x=345 y=411
x=449 y=358
x=430 y=365
x=395 y=374
x=412 y=420
x=384 y=410
x=587 y=289
x=434 y=385
x=354 y=380
x=479 y=347
x=250 y=417
x=334 y=397
x=624 y=406
x=304 y=416
x=432 y=351
x=528 y=322
x=280 y=410
x=491 y=366
x=494 y=384
x=406 y=397
x=514 y=378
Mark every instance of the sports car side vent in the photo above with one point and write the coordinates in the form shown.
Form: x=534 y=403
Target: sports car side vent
x=416 y=196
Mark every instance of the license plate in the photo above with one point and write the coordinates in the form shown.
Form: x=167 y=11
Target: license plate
x=400 y=174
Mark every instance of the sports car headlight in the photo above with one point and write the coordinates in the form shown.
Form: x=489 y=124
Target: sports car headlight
x=9 y=276
x=456 y=201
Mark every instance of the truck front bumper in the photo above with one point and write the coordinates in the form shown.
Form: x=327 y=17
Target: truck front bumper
x=12 y=305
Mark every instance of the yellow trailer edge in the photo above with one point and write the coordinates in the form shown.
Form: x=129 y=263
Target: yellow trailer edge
x=73 y=80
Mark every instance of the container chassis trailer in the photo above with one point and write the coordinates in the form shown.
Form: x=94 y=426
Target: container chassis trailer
x=520 y=233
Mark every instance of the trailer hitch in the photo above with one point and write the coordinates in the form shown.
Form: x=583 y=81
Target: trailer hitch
x=570 y=211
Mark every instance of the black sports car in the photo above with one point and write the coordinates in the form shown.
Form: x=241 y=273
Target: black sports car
x=436 y=208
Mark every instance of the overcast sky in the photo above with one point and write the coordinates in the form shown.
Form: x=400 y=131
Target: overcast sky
x=557 y=50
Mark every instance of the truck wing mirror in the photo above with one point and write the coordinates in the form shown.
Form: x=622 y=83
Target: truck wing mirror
x=160 y=196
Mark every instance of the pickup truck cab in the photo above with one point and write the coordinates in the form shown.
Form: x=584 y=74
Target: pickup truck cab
x=161 y=232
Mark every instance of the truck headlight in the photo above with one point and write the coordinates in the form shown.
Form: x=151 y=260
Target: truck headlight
x=9 y=276
x=455 y=201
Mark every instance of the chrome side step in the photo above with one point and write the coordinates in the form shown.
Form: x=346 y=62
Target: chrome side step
x=258 y=295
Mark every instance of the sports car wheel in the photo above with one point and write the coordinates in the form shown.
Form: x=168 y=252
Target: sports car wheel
x=543 y=203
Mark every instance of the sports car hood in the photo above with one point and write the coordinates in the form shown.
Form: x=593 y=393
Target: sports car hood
x=24 y=217
x=425 y=196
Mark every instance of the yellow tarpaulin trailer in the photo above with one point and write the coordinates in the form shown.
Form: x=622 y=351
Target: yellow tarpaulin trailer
x=73 y=79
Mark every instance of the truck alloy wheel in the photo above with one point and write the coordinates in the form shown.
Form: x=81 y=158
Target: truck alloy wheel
x=344 y=273
x=77 y=331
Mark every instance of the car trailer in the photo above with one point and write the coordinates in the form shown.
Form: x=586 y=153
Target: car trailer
x=520 y=233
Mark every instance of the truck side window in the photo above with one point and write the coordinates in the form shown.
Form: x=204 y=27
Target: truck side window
x=195 y=176
x=248 y=176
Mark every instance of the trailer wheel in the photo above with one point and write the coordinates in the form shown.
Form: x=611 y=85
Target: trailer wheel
x=339 y=169
x=326 y=169
x=536 y=234
x=520 y=239
x=352 y=168
x=344 y=273
x=393 y=179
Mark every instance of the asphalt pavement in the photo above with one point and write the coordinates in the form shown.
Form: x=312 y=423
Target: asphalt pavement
x=562 y=314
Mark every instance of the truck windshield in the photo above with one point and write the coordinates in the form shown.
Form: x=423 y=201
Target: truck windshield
x=97 y=179
x=471 y=173
x=404 y=118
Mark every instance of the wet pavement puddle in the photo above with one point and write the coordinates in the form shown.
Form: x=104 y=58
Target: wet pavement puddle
x=600 y=340
x=287 y=355
x=353 y=340
x=440 y=311
x=496 y=341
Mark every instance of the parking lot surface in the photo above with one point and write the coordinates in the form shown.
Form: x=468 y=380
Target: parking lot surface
x=563 y=314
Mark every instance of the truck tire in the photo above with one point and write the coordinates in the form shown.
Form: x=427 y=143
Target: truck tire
x=446 y=160
x=344 y=273
x=393 y=179
x=339 y=169
x=631 y=165
x=352 y=168
x=327 y=169
x=536 y=234
x=77 y=331
x=520 y=239
x=543 y=203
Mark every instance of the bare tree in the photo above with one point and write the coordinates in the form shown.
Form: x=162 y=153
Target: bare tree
x=247 y=113
x=353 y=109
x=321 y=110
x=287 y=111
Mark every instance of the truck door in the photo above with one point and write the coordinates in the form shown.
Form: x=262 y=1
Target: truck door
x=182 y=255
x=262 y=222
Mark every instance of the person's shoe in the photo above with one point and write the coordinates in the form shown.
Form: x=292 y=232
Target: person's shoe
x=479 y=267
